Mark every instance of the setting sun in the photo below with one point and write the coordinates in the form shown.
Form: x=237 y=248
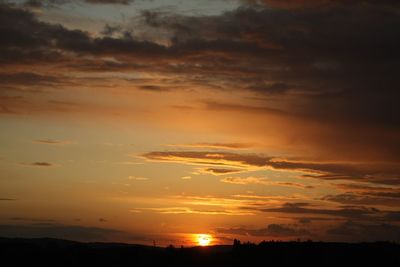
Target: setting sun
x=204 y=239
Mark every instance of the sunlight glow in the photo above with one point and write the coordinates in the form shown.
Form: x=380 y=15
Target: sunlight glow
x=203 y=239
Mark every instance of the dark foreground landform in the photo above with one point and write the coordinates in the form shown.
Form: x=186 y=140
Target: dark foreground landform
x=56 y=252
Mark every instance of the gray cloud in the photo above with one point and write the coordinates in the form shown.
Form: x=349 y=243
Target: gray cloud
x=53 y=3
x=53 y=230
x=318 y=170
x=353 y=231
x=40 y=164
x=345 y=211
x=272 y=230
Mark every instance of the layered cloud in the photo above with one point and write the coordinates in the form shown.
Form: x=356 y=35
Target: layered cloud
x=69 y=232
x=321 y=72
x=386 y=174
x=262 y=181
x=272 y=230
x=312 y=84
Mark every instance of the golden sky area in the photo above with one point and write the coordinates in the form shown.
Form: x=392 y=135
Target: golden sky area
x=198 y=122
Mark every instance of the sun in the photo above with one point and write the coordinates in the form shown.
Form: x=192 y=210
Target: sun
x=203 y=239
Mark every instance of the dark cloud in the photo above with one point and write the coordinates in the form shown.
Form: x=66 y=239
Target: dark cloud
x=7 y=199
x=154 y=88
x=53 y=3
x=52 y=142
x=26 y=219
x=220 y=171
x=53 y=230
x=366 y=199
x=320 y=3
x=318 y=170
x=121 y=2
x=27 y=78
x=40 y=164
x=346 y=211
x=272 y=230
x=333 y=69
x=365 y=194
x=354 y=231
x=217 y=145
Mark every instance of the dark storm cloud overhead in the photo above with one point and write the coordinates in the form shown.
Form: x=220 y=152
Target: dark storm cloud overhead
x=342 y=59
x=345 y=55
x=272 y=230
x=336 y=67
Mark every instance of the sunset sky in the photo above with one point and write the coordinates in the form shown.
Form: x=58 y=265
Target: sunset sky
x=176 y=121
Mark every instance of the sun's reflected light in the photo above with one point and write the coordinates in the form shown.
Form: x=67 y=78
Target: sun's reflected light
x=203 y=239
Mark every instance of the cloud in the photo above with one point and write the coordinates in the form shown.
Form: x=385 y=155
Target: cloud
x=27 y=219
x=153 y=88
x=122 y=2
x=39 y=164
x=354 y=231
x=52 y=142
x=70 y=232
x=366 y=172
x=219 y=171
x=346 y=211
x=357 y=199
x=11 y=80
x=272 y=230
x=186 y=210
x=365 y=194
x=137 y=178
x=296 y=4
x=216 y=145
x=319 y=83
x=244 y=181
x=7 y=199
x=208 y=158
x=262 y=181
x=52 y=3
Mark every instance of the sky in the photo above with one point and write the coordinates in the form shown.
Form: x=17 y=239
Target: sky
x=197 y=122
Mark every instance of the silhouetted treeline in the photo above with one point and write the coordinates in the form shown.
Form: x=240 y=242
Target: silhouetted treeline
x=55 y=252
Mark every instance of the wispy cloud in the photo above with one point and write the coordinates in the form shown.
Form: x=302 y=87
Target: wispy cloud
x=137 y=178
x=186 y=210
x=219 y=171
x=272 y=230
x=233 y=146
x=40 y=164
x=366 y=172
x=262 y=181
x=53 y=142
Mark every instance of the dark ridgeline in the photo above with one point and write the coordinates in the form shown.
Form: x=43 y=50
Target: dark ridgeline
x=55 y=252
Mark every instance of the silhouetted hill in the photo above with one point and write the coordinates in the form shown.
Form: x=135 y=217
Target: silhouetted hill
x=56 y=252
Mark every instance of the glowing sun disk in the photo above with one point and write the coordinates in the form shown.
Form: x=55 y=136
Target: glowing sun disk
x=203 y=239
